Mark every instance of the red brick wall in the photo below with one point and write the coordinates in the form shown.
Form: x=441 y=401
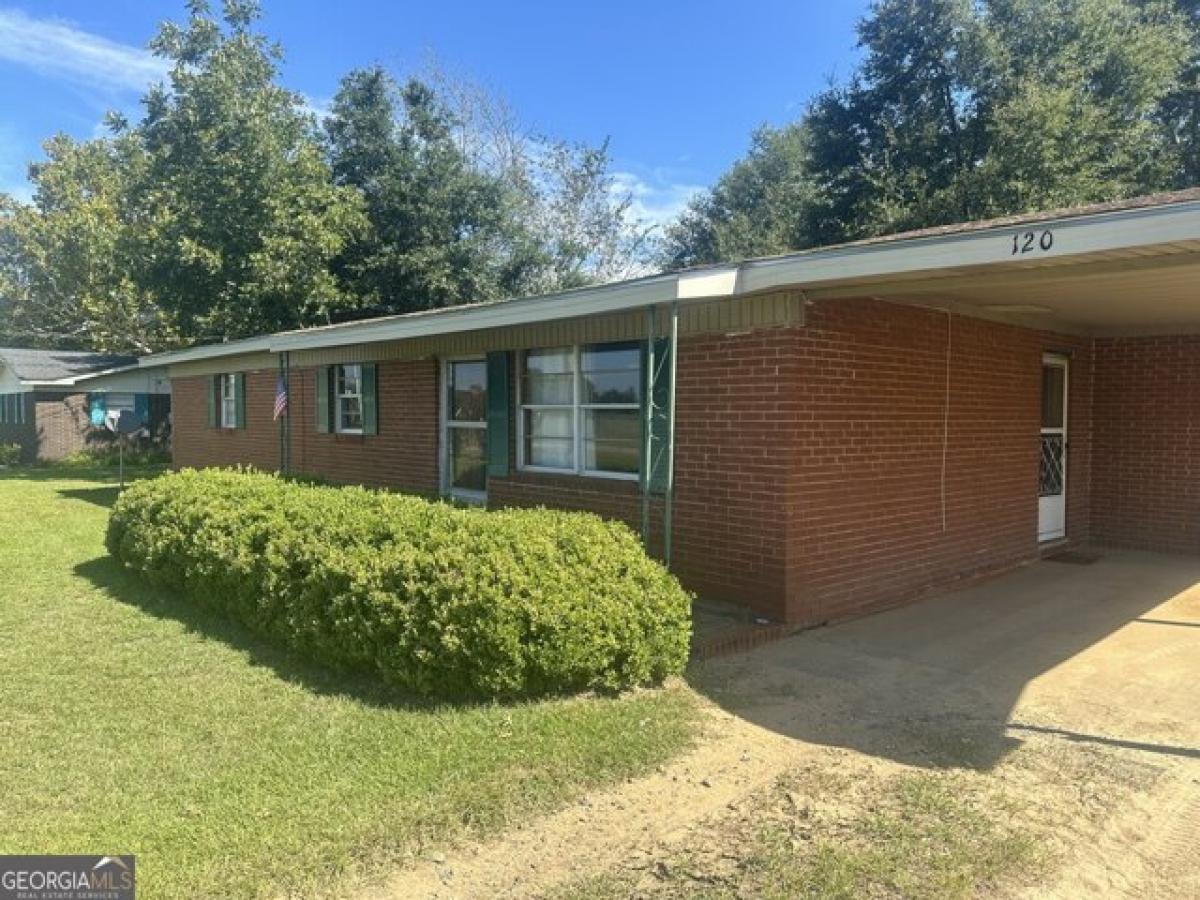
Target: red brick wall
x=809 y=460
x=1146 y=486
x=733 y=402
x=196 y=444
x=867 y=525
x=62 y=422
x=402 y=456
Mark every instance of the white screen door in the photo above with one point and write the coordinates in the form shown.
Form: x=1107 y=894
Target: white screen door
x=1052 y=474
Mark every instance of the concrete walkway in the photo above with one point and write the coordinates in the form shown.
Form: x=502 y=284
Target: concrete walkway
x=1107 y=652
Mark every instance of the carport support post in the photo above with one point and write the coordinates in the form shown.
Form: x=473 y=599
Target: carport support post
x=669 y=495
x=648 y=426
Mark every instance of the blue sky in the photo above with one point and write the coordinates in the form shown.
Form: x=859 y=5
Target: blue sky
x=676 y=86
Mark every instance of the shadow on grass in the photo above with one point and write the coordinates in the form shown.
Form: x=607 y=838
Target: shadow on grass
x=100 y=496
x=106 y=574
x=52 y=472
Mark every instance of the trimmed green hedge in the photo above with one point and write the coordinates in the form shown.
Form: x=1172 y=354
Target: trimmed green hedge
x=439 y=600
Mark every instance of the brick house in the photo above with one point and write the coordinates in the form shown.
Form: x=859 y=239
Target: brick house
x=52 y=402
x=831 y=431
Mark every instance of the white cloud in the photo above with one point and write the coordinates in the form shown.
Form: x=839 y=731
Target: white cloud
x=658 y=195
x=57 y=48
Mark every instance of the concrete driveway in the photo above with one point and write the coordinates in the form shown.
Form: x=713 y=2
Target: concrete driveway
x=1073 y=690
x=1106 y=652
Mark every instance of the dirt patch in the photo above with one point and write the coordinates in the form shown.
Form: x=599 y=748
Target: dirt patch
x=1047 y=716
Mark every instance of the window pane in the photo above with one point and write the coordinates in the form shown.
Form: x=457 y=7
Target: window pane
x=351 y=411
x=548 y=377
x=468 y=459
x=350 y=379
x=1053 y=378
x=549 y=438
x=468 y=392
x=612 y=440
x=612 y=373
x=550 y=362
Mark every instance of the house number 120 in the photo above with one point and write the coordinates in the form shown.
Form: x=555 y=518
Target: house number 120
x=1028 y=241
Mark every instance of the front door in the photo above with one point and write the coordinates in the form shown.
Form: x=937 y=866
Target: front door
x=1052 y=476
x=465 y=434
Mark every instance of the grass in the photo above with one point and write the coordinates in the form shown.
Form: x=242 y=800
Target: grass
x=134 y=723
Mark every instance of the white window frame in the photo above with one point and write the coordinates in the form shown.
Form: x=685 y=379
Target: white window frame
x=228 y=400
x=578 y=409
x=339 y=397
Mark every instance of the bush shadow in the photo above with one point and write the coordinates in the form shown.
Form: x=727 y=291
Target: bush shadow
x=110 y=577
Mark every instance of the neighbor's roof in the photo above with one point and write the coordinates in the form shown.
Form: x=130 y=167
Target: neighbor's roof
x=1120 y=226
x=40 y=366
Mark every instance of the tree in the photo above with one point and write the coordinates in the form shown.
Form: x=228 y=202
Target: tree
x=963 y=110
x=752 y=209
x=440 y=232
x=1076 y=112
x=465 y=204
x=1179 y=112
x=242 y=216
x=66 y=259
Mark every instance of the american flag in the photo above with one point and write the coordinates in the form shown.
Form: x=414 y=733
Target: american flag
x=280 y=397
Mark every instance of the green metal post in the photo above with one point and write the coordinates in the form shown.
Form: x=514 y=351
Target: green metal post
x=648 y=427
x=669 y=497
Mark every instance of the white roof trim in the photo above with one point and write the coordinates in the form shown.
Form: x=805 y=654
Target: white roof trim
x=606 y=298
x=1098 y=232
x=74 y=380
x=209 y=351
x=1073 y=235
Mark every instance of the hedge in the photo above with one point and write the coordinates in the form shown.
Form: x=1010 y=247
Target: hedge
x=439 y=600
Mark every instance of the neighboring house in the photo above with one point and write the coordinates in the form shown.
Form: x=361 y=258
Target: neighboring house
x=852 y=425
x=53 y=402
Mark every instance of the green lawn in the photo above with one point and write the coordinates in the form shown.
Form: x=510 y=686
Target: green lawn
x=130 y=722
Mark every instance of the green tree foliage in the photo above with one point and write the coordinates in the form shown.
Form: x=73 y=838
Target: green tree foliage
x=464 y=205
x=963 y=110
x=214 y=217
x=243 y=218
x=751 y=210
x=439 y=232
x=67 y=259
x=1179 y=112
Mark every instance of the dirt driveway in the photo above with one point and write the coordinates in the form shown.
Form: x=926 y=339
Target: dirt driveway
x=1034 y=735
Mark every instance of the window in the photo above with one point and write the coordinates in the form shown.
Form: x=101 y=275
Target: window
x=229 y=401
x=580 y=409
x=349 y=395
x=12 y=409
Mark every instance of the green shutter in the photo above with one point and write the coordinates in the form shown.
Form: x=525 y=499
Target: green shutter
x=370 y=405
x=239 y=394
x=324 y=376
x=660 y=423
x=141 y=408
x=497 y=413
x=213 y=394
